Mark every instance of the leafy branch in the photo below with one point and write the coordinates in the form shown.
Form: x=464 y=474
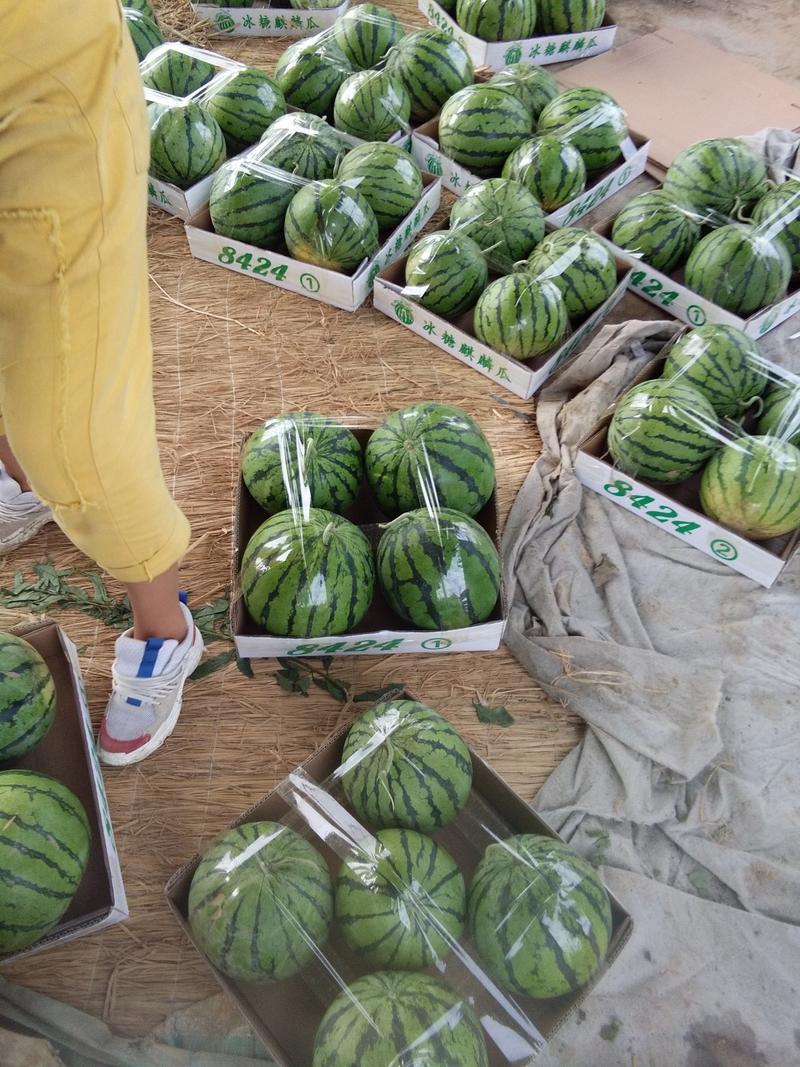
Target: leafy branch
x=495 y=716
x=298 y=675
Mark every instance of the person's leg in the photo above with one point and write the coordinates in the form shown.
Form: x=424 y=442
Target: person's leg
x=11 y=464
x=157 y=608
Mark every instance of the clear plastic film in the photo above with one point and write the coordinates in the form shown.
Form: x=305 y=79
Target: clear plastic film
x=249 y=199
x=179 y=70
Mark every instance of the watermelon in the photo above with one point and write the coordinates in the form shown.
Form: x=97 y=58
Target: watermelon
x=718 y=175
x=430 y=454
x=438 y=569
x=186 y=145
x=503 y=218
x=521 y=316
x=302 y=144
x=307 y=573
x=390 y=1018
x=579 y=264
x=552 y=170
x=176 y=72
x=401 y=904
x=44 y=848
x=154 y=112
x=656 y=229
x=497 y=20
x=723 y=363
x=144 y=6
x=245 y=105
x=432 y=66
x=591 y=120
x=780 y=415
x=481 y=126
x=387 y=177
x=372 y=105
x=739 y=269
x=303 y=460
x=260 y=902
x=539 y=916
x=366 y=33
x=570 y=16
x=310 y=73
x=533 y=86
x=248 y=202
x=446 y=272
x=752 y=485
x=406 y=766
x=774 y=211
x=663 y=431
x=27 y=697
x=331 y=225
x=144 y=32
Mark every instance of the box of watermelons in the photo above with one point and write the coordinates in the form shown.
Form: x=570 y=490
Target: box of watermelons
x=357 y=539
x=60 y=872
x=261 y=18
x=394 y=901
x=706 y=445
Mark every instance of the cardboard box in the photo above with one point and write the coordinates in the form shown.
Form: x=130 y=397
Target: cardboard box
x=286 y=1015
x=554 y=48
x=380 y=631
x=347 y=291
x=457 y=338
x=269 y=20
x=68 y=753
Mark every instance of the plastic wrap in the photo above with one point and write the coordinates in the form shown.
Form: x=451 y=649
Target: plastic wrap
x=179 y=70
x=248 y=202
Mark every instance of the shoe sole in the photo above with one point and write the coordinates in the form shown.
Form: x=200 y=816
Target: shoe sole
x=123 y=759
x=24 y=534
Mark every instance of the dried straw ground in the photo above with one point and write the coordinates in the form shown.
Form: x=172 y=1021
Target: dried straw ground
x=230 y=352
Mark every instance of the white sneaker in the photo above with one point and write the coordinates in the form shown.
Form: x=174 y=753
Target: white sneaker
x=146 y=694
x=22 y=515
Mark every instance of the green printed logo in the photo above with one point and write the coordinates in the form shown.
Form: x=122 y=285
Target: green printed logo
x=766 y=324
x=403 y=312
x=225 y=22
x=433 y=165
x=310 y=283
x=695 y=315
x=724 y=550
x=436 y=644
x=513 y=55
x=624 y=177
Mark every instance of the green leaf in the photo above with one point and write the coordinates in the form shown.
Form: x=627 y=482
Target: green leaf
x=293 y=681
x=602 y=843
x=497 y=716
x=209 y=666
x=700 y=879
x=287 y=663
x=326 y=662
x=373 y=696
x=245 y=667
x=338 y=690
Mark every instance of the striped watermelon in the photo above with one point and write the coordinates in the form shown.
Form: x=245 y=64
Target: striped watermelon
x=481 y=126
x=438 y=569
x=177 y=72
x=307 y=574
x=302 y=144
x=366 y=33
x=720 y=174
x=780 y=415
x=144 y=6
x=310 y=72
x=154 y=112
x=248 y=202
x=591 y=120
x=186 y=145
x=245 y=105
x=401 y=904
x=656 y=229
x=144 y=32
x=432 y=66
x=552 y=170
x=503 y=218
x=579 y=264
x=521 y=316
x=390 y=1018
x=738 y=269
x=497 y=20
x=372 y=105
x=533 y=86
x=446 y=272
x=723 y=363
x=260 y=902
x=44 y=848
x=570 y=16
x=430 y=454
x=387 y=177
x=752 y=485
x=419 y=775
x=331 y=225
x=303 y=460
x=27 y=697
x=539 y=916
x=663 y=431
x=775 y=210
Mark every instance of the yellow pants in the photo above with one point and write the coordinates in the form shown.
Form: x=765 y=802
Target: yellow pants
x=75 y=350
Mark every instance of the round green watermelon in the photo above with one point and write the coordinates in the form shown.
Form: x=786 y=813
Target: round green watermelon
x=331 y=225
x=570 y=16
x=27 y=697
x=372 y=105
x=407 y=768
x=430 y=454
x=402 y=904
x=480 y=127
x=144 y=32
x=178 y=73
x=307 y=573
x=552 y=170
x=539 y=916
x=260 y=902
x=521 y=316
x=303 y=460
x=663 y=431
x=739 y=269
x=446 y=272
x=44 y=849
x=186 y=145
x=366 y=33
x=752 y=485
x=503 y=218
x=579 y=264
x=432 y=66
x=390 y=1018
x=654 y=228
x=717 y=175
x=144 y=6
x=245 y=106
x=497 y=20
x=310 y=72
x=248 y=202
x=723 y=363
x=589 y=119
x=533 y=86
x=778 y=214
x=780 y=415
x=302 y=144
x=438 y=569
x=387 y=177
